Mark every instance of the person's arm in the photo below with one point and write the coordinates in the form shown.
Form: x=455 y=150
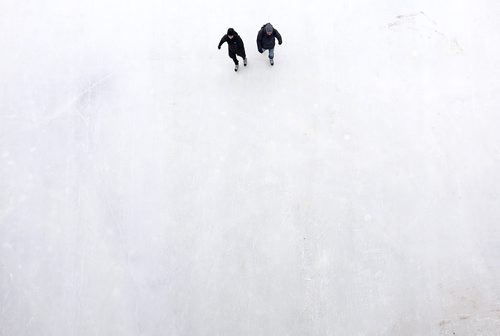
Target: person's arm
x=259 y=41
x=240 y=42
x=278 y=36
x=222 y=40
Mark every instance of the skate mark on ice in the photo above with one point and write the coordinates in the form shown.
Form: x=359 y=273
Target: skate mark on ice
x=84 y=94
x=67 y=108
x=414 y=21
x=421 y=23
x=444 y=322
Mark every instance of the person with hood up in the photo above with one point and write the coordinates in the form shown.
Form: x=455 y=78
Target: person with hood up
x=266 y=40
x=235 y=47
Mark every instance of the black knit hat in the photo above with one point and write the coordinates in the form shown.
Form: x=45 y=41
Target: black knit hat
x=230 y=31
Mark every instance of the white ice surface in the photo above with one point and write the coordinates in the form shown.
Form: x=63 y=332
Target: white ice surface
x=148 y=189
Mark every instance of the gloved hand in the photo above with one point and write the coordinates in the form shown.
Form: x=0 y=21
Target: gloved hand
x=279 y=43
x=261 y=51
x=218 y=47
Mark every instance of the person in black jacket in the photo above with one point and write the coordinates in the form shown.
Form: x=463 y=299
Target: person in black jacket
x=235 y=47
x=266 y=40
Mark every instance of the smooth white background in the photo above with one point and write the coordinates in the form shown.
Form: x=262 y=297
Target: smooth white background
x=148 y=189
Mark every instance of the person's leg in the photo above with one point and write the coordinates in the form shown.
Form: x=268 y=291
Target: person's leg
x=271 y=53
x=233 y=57
x=242 y=54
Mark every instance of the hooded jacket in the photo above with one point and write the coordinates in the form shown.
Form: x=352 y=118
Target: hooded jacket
x=265 y=41
x=235 y=44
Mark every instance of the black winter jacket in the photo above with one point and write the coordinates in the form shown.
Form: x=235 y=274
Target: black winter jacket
x=265 y=41
x=235 y=44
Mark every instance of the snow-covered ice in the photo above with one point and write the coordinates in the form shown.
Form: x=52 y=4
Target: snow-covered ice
x=148 y=189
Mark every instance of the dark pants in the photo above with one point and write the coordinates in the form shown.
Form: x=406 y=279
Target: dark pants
x=240 y=53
